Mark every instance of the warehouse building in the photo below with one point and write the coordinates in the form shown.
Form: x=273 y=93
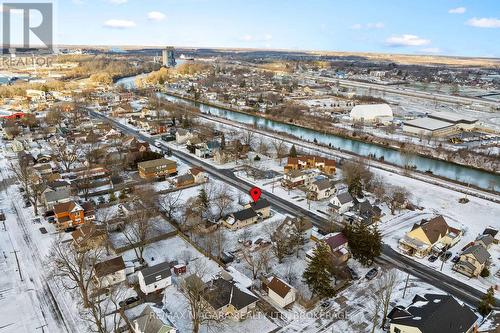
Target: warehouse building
x=439 y=124
x=372 y=113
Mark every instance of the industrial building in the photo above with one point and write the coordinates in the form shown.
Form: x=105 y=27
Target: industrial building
x=372 y=113
x=168 y=57
x=439 y=124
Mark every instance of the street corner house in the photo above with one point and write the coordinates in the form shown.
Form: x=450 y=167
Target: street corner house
x=158 y=168
x=71 y=214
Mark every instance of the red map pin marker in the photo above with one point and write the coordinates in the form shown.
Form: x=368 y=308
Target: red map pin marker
x=255 y=193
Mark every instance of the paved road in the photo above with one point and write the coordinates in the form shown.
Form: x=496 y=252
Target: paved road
x=429 y=275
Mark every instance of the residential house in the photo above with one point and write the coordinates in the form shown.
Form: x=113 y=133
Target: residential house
x=71 y=214
x=182 y=136
x=321 y=189
x=58 y=185
x=341 y=203
x=485 y=240
x=326 y=165
x=199 y=175
x=154 y=278
x=262 y=207
x=339 y=246
x=89 y=236
x=291 y=226
x=184 y=180
x=366 y=212
x=152 y=320
x=241 y=219
x=434 y=234
x=207 y=149
x=51 y=198
x=493 y=232
x=281 y=292
x=157 y=168
x=228 y=298
x=294 y=178
x=432 y=313
x=473 y=260
x=110 y=272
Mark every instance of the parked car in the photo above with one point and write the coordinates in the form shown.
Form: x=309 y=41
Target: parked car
x=325 y=304
x=432 y=258
x=128 y=301
x=43 y=230
x=21 y=189
x=70 y=229
x=447 y=255
x=27 y=203
x=352 y=272
x=36 y=220
x=51 y=219
x=455 y=259
x=371 y=273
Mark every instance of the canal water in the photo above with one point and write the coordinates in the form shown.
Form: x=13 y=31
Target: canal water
x=444 y=169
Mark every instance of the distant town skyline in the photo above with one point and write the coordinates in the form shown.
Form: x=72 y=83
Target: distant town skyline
x=443 y=27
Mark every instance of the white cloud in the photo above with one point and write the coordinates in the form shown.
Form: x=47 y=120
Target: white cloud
x=119 y=24
x=117 y=2
x=484 y=22
x=407 y=40
x=458 y=10
x=377 y=25
x=156 y=16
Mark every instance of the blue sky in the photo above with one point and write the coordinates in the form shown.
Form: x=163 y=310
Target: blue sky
x=451 y=27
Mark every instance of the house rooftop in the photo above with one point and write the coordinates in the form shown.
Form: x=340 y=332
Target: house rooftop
x=155 y=273
x=434 y=313
x=110 y=266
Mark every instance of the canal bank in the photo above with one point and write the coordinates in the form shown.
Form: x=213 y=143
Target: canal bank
x=439 y=168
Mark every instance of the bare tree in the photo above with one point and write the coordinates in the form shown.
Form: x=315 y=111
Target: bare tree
x=141 y=224
x=248 y=137
x=73 y=269
x=104 y=310
x=279 y=149
x=222 y=200
x=254 y=261
x=170 y=203
x=397 y=198
x=375 y=306
x=386 y=285
x=195 y=291
x=32 y=184
x=263 y=147
x=66 y=155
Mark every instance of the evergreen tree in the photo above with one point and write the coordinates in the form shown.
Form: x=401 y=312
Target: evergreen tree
x=203 y=198
x=487 y=302
x=365 y=242
x=319 y=273
x=222 y=142
x=293 y=151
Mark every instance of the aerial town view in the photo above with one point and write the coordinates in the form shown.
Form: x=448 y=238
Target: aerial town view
x=259 y=166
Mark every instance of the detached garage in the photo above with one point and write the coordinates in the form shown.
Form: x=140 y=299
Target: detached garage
x=372 y=113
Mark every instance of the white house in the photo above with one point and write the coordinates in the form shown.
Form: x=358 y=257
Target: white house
x=109 y=272
x=199 y=175
x=155 y=278
x=152 y=320
x=281 y=292
x=341 y=202
x=182 y=136
x=51 y=198
x=372 y=113
x=321 y=189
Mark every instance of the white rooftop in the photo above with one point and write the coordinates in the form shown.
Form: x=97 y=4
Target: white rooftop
x=428 y=123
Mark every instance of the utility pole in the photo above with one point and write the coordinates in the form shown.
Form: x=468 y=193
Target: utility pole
x=406 y=284
x=18 y=267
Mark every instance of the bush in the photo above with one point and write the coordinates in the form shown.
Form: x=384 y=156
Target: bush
x=485 y=272
x=112 y=197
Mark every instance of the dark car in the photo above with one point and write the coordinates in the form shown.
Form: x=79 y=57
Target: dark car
x=432 y=258
x=43 y=230
x=371 y=273
x=129 y=301
x=455 y=259
x=27 y=203
x=21 y=189
x=51 y=219
x=70 y=229
x=352 y=273
x=447 y=255
x=325 y=304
